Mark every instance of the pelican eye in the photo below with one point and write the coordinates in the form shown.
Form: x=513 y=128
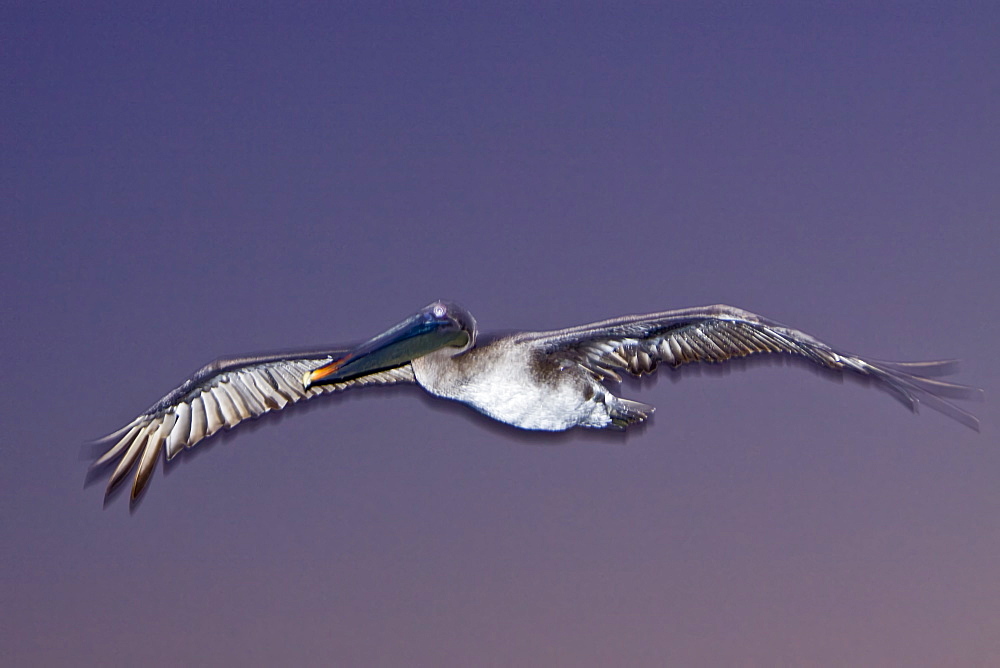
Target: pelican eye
x=439 y=311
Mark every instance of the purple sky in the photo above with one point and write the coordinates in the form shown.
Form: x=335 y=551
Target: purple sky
x=183 y=184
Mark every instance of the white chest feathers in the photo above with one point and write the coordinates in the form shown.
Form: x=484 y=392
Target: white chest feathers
x=501 y=382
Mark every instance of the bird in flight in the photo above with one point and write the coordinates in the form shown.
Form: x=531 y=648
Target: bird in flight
x=549 y=381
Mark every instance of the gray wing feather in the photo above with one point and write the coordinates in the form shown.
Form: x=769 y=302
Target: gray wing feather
x=219 y=396
x=636 y=344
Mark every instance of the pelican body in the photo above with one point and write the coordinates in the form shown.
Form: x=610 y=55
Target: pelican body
x=549 y=381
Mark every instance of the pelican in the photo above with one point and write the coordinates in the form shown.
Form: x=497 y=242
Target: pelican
x=548 y=381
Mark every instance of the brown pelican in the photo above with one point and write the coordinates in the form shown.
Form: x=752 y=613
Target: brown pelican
x=533 y=380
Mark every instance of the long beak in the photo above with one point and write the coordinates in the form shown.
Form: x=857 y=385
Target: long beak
x=415 y=337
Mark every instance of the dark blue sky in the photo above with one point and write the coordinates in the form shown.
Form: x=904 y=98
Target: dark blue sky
x=184 y=183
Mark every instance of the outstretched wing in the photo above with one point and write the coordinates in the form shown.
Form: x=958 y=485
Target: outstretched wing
x=222 y=395
x=636 y=344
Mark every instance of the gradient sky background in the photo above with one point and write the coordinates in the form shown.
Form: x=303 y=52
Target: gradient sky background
x=179 y=184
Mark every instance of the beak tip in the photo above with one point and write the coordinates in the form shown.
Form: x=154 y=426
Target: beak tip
x=307 y=380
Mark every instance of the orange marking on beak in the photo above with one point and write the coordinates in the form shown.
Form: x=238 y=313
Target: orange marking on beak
x=327 y=370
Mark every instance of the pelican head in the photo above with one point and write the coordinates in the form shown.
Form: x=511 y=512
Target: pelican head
x=438 y=326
